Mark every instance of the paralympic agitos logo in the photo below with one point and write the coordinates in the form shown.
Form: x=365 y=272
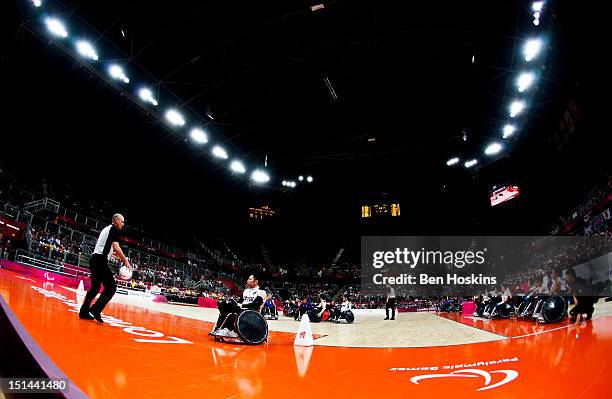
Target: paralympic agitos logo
x=509 y=375
x=490 y=379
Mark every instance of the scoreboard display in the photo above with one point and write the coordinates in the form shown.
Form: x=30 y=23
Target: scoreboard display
x=380 y=209
x=501 y=194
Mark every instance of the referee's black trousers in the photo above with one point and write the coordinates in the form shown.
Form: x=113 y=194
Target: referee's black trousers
x=100 y=275
x=585 y=305
x=390 y=305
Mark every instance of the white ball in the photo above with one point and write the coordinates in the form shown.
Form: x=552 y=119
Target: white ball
x=125 y=273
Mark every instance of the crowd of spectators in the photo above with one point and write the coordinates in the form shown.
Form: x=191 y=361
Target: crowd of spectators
x=593 y=198
x=337 y=279
x=171 y=280
x=6 y=246
x=60 y=248
x=359 y=301
x=555 y=256
x=53 y=246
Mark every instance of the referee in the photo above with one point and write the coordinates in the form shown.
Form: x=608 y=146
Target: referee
x=101 y=273
x=390 y=304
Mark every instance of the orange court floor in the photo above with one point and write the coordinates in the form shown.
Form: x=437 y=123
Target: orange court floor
x=144 y=353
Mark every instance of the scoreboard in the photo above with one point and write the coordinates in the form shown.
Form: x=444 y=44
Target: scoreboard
x=380 y=209
x=502 y=194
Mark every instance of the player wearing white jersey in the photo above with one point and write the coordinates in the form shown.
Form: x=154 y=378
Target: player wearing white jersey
x=253 y=298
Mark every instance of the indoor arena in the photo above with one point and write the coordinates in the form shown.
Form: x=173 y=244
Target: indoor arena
x=304 y=199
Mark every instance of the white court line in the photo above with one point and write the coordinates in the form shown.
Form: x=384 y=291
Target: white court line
x=552 y=329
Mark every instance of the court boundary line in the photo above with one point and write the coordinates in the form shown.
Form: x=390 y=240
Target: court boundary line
x=479 y=329
x=553 y=329
x=44 y=361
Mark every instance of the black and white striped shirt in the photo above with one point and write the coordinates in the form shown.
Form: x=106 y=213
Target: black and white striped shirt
x=108 y=235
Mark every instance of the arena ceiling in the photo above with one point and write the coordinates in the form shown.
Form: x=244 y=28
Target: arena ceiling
x=367 y=97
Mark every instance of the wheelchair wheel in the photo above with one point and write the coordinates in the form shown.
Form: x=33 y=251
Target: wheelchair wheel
x=313 y=316
x=349 y=316
x=289 y=311
x=251 y=327
x=554 y=309
x=505 y=310
x=325 y=315
x=521 y=307
x=480 y=309
x=488 y=310
x=527 y=310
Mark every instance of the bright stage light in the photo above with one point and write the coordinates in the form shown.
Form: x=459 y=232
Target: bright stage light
x=259 y=176
x=493 y=149
x=198 y=136
x=174 y=117
x=524 y=81
x=56 y=27
x=532 y=49
x=537 y=6
x=116 y=72
x=516 y=108
x=147 y=96
x=86 y=50
x=219 y=152
x=508 y=131
x=471 y=163
x=238 y=167
x=452 y=161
